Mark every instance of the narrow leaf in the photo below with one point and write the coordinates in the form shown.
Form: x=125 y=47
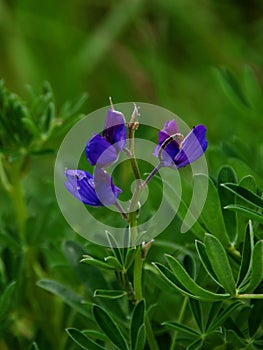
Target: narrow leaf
x=109 y=327
x=95 y=262
x=67 y=295
x=214 y=223
x=213 y=312
x=110 y=294
x=227 y=174
x=222 y=317
x=129 y=258
x=220 y=264
x=114 y=262
x=200 y=247
x=197 y=312
x=33 y=346
x=245 y=194
x=257 y=266
x=82 y=340
x=6 y=301
x=181 y=328
x=137 y=320
x=249 y=213
x=188 y=283
x=141 y=338
x=246 y=260
x=196 y=345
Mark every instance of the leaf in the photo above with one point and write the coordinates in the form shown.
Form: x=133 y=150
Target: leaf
x=257 y=266
x=33 y=346
x=252 y=88
x=109 y=327
x=114 y=262
x=141 y=338
x=129 y=258
x=115 y=247
x=6 y=302
x=110 y=294
x=223 y=315
x=181 y=328
x=220 y=264
x=67 y=295
x=82 y=340
x=137 y=320
x=196 y=310
x=246 y=260
x=200 y=247
x=189 y=285
x=245 y=194
x=214 y=223
x=227 y=174
x=196 y=345
x=249 y=213
x=213 y=312
x=98 y=263
x=90 y=333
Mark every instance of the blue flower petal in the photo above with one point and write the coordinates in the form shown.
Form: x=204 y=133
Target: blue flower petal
x=106 y=191
x=193 y=146
x=100 y=152
x=170 y=128
x=115 y=129
x=81 y=185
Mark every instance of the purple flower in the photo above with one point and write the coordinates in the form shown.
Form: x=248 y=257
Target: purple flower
x=96 y=191
x=180 y=151
x=104 y=150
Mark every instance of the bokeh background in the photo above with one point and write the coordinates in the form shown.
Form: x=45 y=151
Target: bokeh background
x=162 y=52
x=201 y=59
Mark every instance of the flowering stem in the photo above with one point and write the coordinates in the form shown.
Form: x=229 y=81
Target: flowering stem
x=151 y=175
x=121 y=210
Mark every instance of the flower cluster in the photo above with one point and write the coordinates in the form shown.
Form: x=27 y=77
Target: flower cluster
x=101 y=150
x=173 y=150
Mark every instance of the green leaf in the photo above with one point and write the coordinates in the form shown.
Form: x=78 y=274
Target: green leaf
x=257 y=266
x=214 y=223
x=141 y=338
x=181 y=328
x=246 y=261
x=137 y=320
x=114 y=262
x=200 y=247
x=109 y=327
x=245 y=194
x=110 y=294
x=82 y=340
x=252 y=88
x=189 y=284
x=33 y=346
x=249 y=213
x=196 y=345
x=67 y=295
x=115 y=247
x=227 y=174
x=129 y=258
x=213 y=312
x=98 y=263
x=196 y=310
x=222 y=317
x=90 y=333
x=6 y=302
x=220 y=264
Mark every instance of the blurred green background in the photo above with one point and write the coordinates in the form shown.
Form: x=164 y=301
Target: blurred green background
x=162 y=52
x=203 y=60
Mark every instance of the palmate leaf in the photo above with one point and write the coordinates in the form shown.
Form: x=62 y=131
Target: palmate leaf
x=109 y=327
x=183 y=283
x=220 y=263
x=223 y=315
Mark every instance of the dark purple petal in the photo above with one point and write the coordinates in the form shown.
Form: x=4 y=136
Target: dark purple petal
x=106 y=191
x=168 y=154
x=100 y=152
x=170 y=128
x=193 y=146
x=81 y=185
x=115 y=129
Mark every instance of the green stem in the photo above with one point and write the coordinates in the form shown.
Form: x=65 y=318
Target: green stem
x=18 y=200
x=180 y=320
x=137 y=274
x=153 y=345
x=249 y=296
